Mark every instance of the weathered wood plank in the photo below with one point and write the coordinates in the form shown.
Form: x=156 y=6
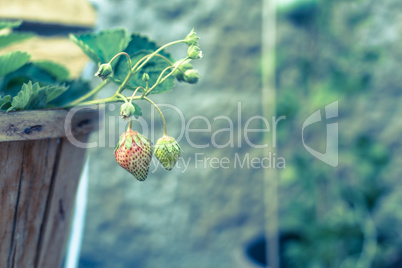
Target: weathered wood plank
x=27 y=191
x=34 y=125
x=60 y=207
x=11 y=157
x=38 y=181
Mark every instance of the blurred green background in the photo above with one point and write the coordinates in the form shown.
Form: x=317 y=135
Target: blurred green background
x=347 y=216
x=348 y=51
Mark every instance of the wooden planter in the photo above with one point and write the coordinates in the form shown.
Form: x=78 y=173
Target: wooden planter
x=39 y=174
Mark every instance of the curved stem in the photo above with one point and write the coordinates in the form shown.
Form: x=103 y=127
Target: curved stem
x=122 y=97
x=160 y=79
x=147 y=56
x=166 y=59
x=157 y=51
x=159 y=110
x=144 y=61
x=122 y=53
x=132 y=96
x=89 y=94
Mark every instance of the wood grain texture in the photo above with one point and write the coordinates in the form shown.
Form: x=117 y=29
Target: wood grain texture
x=24 y=189
x=44 y=124
x=38 y=183
x=57 y=221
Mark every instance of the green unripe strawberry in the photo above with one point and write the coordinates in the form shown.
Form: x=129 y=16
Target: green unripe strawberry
x=167 y=150
x=134 y=153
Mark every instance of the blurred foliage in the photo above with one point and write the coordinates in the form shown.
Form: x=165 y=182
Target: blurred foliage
x=29 y=85
x=337 y=214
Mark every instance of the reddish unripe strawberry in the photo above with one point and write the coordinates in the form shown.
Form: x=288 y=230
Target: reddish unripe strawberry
x=134 y=153
x=167 y=150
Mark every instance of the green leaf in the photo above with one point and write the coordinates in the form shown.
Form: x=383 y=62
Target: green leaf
x=11 y=84
x=103 y=46
x=153 y=68
x=12 y=61
x=137 y=111
x=22 y=99
x=138 y=47
x=58 y=71
x=38 y=100
x=10 y=38
x=53 y=92
x=138 y=43
x=31 y=96
x=5 y=102
x=76 y=89
x=9 y=24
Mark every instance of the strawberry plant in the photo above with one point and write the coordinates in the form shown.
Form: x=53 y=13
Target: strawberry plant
x=135 y=64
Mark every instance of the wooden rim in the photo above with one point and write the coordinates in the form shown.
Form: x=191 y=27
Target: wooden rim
x=45 y=124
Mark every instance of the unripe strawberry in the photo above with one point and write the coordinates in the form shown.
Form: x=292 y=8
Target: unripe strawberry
x=134 y=153
x=167 y=150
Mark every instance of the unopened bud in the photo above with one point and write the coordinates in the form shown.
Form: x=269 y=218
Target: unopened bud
x=191 y=38
x=145 y=77
x=194 y=52
x=127 y=110
x=104 y=71
x=179 y=72
x=191 y=76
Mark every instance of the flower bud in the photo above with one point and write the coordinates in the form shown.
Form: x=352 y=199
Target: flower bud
x=104 y=71
x=194 y=52
x=191 y=76
x=179 y=72
x=127 y=110
x=191 y=38
x=145 y=77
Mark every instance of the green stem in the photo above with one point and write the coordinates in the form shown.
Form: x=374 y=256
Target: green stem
x=157 y=51
x=166 y=59
x=122 y=97
x=147 y=56
x=121 y=87
x=160 y=79
x=130 y=123
x=144 y=61
x=89 y=94
x=159 y=110
x=132 y=96
x=93 y=102
x=122 y=53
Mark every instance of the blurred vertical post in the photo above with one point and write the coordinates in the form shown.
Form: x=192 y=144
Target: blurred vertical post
x=268 y=108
